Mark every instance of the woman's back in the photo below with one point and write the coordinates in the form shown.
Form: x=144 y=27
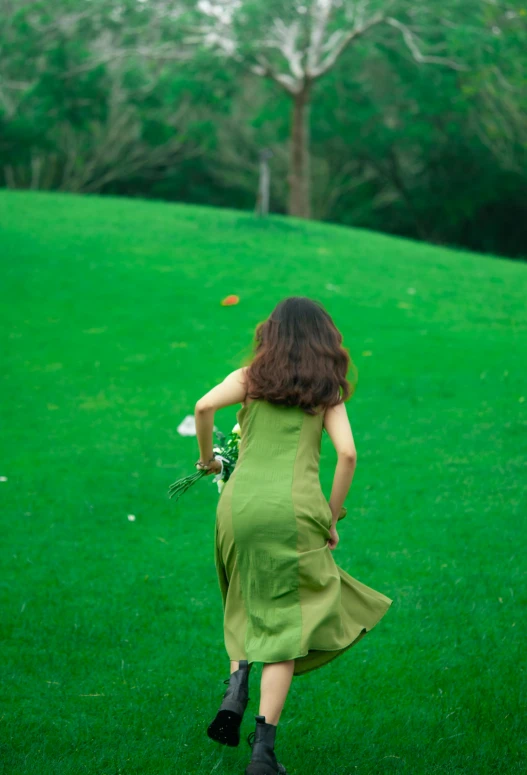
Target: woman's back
x=280 y=584
x=280 y=448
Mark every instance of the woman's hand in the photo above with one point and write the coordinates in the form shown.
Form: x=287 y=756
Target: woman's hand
x=214 y=467
x=333 y=537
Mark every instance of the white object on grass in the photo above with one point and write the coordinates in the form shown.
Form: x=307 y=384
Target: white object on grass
x=187 y=426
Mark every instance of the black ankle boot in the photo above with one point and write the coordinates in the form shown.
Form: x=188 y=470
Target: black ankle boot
x=263 y=759
x=225 y=728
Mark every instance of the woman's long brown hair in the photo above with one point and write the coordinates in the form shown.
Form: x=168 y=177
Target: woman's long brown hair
x=298 y=358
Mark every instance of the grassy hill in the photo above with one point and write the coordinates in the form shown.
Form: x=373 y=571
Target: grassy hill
x=112 y=656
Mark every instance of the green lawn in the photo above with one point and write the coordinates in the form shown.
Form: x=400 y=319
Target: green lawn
x=112 y=659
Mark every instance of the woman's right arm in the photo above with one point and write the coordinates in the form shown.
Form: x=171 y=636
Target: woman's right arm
x=337 y=424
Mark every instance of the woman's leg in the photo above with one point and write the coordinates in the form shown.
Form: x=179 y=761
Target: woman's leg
x=276 y=680
x=236 y=666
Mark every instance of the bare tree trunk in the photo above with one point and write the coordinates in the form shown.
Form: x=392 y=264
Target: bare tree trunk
x=299 y=172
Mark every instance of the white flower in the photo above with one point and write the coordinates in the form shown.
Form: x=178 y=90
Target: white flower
x=221 y=485
x=237 y=429
x=131 y=518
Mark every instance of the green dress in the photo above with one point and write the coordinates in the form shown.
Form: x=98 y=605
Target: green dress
x=283 y=595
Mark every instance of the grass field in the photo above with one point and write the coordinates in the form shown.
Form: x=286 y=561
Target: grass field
x=112 y=659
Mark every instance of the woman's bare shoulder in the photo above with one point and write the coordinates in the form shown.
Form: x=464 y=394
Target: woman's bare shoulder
x=242 y=375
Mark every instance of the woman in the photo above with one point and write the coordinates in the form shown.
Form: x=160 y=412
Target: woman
x=286 y=603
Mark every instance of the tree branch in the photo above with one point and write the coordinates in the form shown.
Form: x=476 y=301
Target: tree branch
x=147 y=53
x=341 y=44
x=264 y=70
x=284 y=40
x=320 y=15
x=411 y=43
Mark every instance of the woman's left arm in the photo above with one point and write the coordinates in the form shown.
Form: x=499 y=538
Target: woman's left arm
x=231 y=391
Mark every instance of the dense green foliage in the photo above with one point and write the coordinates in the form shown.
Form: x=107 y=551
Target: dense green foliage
x=111 y=655
x=113 y=98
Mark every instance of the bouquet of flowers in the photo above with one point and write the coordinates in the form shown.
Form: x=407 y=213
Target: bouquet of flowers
x=226 y=451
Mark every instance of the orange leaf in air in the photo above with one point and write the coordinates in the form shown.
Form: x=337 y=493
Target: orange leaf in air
x=228 y=300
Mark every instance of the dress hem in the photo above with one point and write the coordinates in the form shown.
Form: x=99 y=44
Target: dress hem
x=337 y=653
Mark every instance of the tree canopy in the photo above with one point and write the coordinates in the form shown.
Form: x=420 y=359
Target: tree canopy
x=400 y=117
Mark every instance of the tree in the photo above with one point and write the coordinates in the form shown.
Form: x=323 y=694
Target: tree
x=84 y=99
x=295 y=43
